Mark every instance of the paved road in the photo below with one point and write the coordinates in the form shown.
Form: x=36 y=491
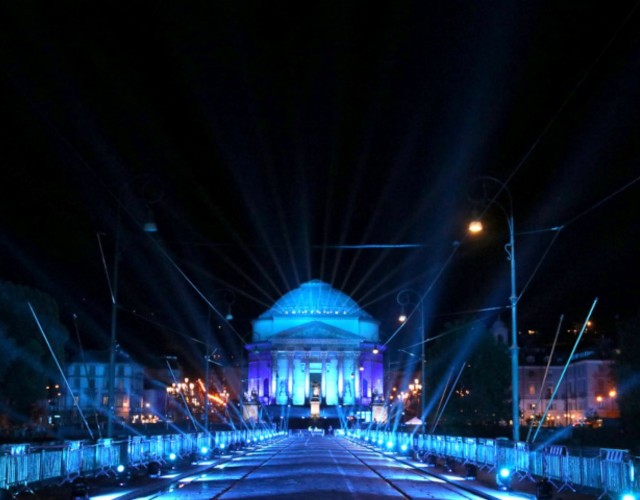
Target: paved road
x=307 y=467
x=313 y=467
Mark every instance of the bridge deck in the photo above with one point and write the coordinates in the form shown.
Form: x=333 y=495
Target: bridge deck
x=305 y=467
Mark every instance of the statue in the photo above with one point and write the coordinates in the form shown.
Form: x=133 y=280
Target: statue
x=316 y=391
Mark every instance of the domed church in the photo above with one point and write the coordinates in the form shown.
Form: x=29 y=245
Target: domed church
x=315 y=348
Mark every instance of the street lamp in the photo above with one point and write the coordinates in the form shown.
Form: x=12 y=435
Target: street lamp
x=404 y=299
x=229 y=299
x=149 y=226
x=476 y=227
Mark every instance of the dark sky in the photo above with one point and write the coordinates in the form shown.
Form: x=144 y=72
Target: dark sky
x=263 y=136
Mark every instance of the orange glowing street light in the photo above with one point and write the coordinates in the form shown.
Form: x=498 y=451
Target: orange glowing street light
x=475 y=226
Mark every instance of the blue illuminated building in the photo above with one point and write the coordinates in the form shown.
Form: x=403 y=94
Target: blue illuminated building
x=315 y=345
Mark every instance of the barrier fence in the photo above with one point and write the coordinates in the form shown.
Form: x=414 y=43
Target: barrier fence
x=24 y=465
x=612 y=472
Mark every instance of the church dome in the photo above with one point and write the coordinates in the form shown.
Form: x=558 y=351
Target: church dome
x=315 y=298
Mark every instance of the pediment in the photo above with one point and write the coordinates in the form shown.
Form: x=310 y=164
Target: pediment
x=315 y=330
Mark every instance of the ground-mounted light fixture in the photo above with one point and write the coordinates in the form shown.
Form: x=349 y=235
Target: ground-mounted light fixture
x=504 y=478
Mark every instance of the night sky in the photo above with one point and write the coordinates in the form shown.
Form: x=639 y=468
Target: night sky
x=277 y=144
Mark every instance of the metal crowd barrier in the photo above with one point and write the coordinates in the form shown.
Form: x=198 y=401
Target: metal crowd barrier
x=555 y=465
x=612 y=472
x=613 y=469
x=470 y=451
x=486 y=453
x=24 y=465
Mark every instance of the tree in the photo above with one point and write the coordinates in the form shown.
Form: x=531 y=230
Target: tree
x=627 y=370
x=481 y=394
x=27 y=364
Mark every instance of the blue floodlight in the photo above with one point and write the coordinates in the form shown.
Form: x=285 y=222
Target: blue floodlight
x=403 y=447
x=629 y=496
x=504 y=478
x=222 y=446
x=172 y=456
x=504 y=473
x=204 y=450
x=380 y=441
x=123 y=475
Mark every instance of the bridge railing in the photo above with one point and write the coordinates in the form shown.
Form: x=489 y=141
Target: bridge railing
x=23 y=466
x=607 y=470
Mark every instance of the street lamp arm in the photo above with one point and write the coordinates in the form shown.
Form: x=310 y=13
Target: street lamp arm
x=403 y=299
x=493 y=199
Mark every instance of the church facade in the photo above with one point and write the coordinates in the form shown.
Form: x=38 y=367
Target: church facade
x=315 y=347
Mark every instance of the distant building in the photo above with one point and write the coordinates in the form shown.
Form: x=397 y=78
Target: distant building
x=315 y=345
x=88 y=376
x=587 y=391
x=159 y=403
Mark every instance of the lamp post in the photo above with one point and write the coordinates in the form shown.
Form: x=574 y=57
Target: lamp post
x=149 y=226
x=112 y=341
x=403 y=298
x=208 y=358
x=475 y=227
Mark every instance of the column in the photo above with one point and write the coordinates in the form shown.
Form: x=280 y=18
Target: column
x=356 y=382
x=331 y=380
x=323 y=377
x=289 y=374
x=297 y=396
x=307 y=377
x=274 y=373
x=282 y=379
x=340 y=376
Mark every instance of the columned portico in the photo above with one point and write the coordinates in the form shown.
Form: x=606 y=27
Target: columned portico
x=315 y=344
